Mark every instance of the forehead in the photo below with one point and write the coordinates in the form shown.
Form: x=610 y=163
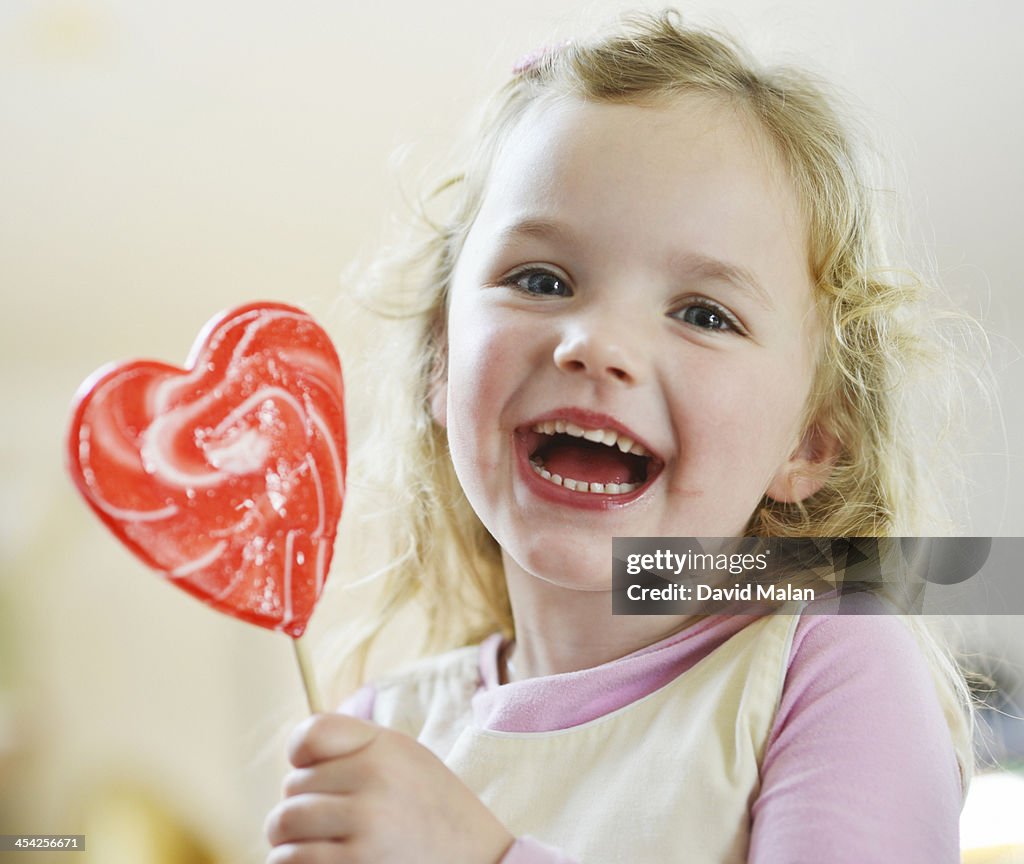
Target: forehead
x=667 y=130
x=686 y=175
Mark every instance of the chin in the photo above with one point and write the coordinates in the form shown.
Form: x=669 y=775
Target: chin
x=565 y=565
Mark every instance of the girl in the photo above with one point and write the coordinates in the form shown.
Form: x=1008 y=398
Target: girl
x=657 y=308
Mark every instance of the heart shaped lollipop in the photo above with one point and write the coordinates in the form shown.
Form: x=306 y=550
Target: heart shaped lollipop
x=228 y=476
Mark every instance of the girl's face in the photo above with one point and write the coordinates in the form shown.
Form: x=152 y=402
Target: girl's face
x=631 y=315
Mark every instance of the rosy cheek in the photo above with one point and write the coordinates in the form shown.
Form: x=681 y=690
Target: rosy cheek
x=471 y=382
x=474 y=388
x=485 y=352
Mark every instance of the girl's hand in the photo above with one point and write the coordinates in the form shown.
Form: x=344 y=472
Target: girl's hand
x=362 y=793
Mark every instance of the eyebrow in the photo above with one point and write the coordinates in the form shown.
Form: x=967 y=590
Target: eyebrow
x=692 y=263
x=708 y=267
x=541 y=229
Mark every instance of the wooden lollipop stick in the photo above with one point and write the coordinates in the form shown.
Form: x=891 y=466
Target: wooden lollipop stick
x=308 y=677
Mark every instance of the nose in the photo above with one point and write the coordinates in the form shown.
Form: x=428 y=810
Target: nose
x=602 y=350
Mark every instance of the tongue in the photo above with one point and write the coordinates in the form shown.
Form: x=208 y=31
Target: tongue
x=589 y=462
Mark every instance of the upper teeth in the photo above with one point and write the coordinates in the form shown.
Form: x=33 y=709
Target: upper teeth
x=608 y=437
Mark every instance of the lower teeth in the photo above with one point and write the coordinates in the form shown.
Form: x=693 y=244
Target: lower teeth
x=582 y=485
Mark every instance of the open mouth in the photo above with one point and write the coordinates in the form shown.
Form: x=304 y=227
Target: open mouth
x=597 y=461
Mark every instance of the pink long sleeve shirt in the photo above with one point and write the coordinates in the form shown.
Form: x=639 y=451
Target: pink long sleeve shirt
x=859 y=765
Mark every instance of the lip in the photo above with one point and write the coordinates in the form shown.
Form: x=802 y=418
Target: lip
x=569 y=497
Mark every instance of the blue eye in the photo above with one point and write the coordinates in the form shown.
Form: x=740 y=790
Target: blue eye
x=540 y=283
x=706 y=316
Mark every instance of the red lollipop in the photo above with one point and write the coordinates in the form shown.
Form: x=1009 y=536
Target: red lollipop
x=228 y=475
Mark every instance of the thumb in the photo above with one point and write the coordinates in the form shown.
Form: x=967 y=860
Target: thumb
x=329 y=736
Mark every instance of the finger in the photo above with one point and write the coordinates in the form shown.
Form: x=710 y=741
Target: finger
x=332 y=776
x=307 y=853
x=309 y=818
x=328 y=736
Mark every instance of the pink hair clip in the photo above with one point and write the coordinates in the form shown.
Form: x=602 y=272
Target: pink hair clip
x=530 y=60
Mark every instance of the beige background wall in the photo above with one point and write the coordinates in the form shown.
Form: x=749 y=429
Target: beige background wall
x=161 y=161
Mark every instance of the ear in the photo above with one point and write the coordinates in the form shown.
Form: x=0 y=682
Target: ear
x=807 y=469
